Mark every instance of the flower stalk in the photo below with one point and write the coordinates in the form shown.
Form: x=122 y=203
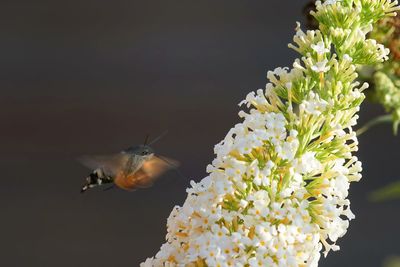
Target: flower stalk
x=276 y=193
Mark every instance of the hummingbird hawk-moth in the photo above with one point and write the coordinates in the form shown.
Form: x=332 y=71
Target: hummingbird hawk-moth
x=133 y=168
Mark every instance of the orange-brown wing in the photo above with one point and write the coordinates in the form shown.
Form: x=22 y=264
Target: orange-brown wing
x=146 y=175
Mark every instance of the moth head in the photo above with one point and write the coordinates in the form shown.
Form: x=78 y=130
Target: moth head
x=141 y=150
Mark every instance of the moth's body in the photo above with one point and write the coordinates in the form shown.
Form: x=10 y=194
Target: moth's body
x=135 y=167
x=96 y=178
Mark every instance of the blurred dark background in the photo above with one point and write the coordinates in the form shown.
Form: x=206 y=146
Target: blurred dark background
x=95 y=76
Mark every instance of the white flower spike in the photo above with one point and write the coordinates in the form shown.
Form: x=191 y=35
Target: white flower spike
x=276 y=193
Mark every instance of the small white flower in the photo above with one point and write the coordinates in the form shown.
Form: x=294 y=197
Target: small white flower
x=307 y=163
x=147 y=263
x=330 y=2
x=321 y=66
x=289 y=149
x=320 y=48
x=314 y=105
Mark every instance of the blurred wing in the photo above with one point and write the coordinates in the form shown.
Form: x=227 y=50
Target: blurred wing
x=146 y=175
x=156 y=166
x=110 y=164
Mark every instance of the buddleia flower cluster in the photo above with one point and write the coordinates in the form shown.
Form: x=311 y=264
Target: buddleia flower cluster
x=385 y=77
x=277 y=191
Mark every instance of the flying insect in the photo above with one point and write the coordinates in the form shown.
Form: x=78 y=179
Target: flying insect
x=132 y=168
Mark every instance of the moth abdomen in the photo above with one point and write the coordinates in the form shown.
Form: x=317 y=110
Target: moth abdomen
x=96 y=178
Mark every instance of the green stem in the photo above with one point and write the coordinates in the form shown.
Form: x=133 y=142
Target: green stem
x=389 y=192
x=374 y=122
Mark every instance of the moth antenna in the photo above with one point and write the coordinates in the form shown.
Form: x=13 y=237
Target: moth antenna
x=158 y=138
x=146 y=139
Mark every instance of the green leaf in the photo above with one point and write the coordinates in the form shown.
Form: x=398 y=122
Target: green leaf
x=393 y=261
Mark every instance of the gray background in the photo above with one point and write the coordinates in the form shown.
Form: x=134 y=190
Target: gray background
x=89 y=77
